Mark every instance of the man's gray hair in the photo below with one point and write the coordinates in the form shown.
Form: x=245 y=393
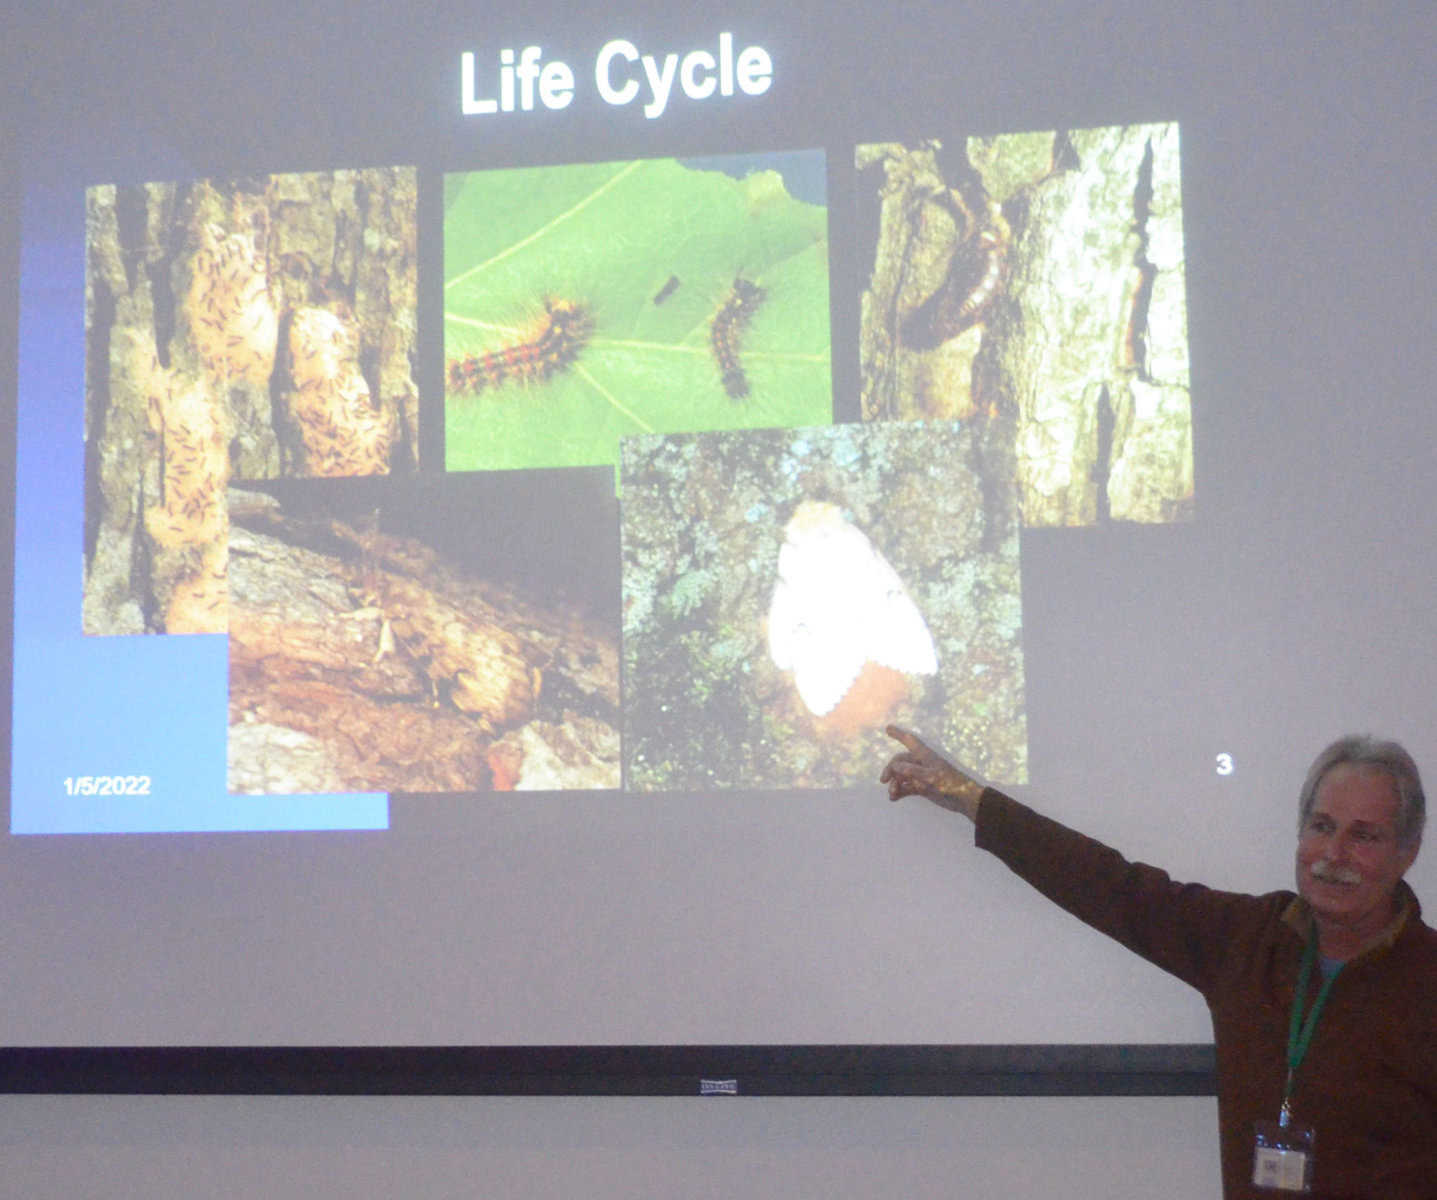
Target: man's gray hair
x=1363 y=750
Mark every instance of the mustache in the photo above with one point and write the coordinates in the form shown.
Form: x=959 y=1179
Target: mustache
x=1329 y=873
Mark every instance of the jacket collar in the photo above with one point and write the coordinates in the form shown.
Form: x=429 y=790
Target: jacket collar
x=1298 y=916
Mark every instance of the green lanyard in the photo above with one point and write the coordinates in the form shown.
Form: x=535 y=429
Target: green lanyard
x=1299 y=1032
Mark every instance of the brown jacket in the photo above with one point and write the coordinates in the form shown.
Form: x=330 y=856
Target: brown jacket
x=1368 y=1085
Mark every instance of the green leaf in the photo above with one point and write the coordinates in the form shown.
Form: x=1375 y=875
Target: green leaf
x=610 y=236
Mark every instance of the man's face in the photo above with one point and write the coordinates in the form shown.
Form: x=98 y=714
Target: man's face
x=1348 y=859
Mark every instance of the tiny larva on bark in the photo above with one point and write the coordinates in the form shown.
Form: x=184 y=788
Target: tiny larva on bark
x=233 y=317
x=342 y=430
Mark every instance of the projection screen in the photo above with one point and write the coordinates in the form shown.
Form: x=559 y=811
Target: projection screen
x=484 y=479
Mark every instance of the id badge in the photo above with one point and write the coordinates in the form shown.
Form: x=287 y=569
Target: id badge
x=1282 y=1160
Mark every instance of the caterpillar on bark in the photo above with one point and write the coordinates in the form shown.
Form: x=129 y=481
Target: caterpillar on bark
x=975 y=278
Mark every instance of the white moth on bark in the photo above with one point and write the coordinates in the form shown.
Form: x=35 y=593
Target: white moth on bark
x=837 y=605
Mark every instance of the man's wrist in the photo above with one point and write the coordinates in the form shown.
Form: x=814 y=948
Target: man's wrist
x=965 y=795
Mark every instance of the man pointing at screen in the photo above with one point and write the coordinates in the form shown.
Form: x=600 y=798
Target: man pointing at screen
x=1323 y=1002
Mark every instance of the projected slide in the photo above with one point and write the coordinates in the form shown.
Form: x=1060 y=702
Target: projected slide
x=642 y=347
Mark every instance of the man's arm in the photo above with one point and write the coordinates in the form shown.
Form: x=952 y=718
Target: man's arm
x=1182 y=928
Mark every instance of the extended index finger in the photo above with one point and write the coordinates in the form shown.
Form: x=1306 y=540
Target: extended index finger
x=909 y=740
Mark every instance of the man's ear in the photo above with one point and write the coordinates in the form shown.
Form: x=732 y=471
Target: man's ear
x=1409 y=855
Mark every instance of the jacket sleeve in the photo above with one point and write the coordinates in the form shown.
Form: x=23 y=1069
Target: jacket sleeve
x=1183 y=928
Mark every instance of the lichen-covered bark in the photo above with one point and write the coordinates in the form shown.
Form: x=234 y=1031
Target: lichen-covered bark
x=192 y=297
x=1034 y=284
